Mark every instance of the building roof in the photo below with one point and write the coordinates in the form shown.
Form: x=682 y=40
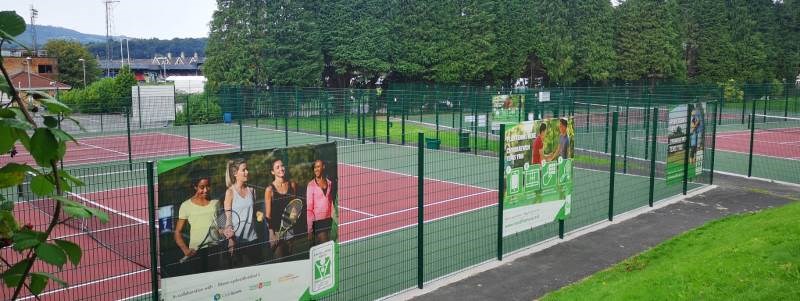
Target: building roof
x=38 y=82
x=157 y=63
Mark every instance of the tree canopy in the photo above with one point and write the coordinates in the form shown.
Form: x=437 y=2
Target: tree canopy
x=70 y=67
x=496 y=42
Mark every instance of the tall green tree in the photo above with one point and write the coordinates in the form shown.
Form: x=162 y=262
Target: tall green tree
x=788 y=63
x=355 y=38
x=710 y=54
x=648 y=41
x=70 y=68
x=233 y=52
x=593 y=33
x=555 y=46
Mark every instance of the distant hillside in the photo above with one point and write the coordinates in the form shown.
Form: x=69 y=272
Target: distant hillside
x=139 y=48
x=45 y=33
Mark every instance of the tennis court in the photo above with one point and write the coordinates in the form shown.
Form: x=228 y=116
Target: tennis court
x=372 y=202
x=116 y=148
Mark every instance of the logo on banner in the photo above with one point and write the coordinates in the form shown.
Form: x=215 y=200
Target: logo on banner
x=323 y=267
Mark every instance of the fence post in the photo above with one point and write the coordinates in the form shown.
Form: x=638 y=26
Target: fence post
x=286 y=127
x=713 y=143
x=654 y=137
x=613 y=167
x=475 y=124
x=501 y=151
x=358 y=116
x=625 y=143
x=241 y=126
x=608 y=108
x=374 y=110
x=128 y=127
x=189 y=127
x=296 y=110
x=752 y=138
x=785 y=103
x=139 y=103
x=436 y=111
x=388 y=120
x=151 y=203
x=403 y=123
x=686 y=149
x=420 y=208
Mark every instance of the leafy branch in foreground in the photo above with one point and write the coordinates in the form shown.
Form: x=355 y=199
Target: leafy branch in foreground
x=22 y=246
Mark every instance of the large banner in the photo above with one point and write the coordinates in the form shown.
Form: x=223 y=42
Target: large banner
x=507 y=109
x=259 y=225
x=678 y=134
x=538 y=173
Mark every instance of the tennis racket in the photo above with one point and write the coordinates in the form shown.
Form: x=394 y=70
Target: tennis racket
x=290 y=216
x=216 y=232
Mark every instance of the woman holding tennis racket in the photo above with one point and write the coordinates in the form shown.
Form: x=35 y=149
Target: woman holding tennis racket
x=282 y=210
x=238 y=204
x=199 y=213
x=319 y=199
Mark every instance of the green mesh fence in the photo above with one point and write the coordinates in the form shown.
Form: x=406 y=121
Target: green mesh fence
x=390 y=139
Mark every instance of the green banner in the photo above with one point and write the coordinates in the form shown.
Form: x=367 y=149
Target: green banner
x=246 y=225
x=538 y=173
x=507 y=109
x=680 y=132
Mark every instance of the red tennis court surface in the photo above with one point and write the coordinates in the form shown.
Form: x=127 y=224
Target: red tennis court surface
x=779 y=143
x=371 y=202
x=115 y=148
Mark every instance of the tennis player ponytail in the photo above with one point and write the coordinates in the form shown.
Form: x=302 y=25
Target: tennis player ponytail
x=230 y=171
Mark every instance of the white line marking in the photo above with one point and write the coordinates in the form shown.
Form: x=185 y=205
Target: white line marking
x=103 y=148
x=87 y=283
x=109 y=209
x=407 y=175
x=415 y=208
x=356 y=211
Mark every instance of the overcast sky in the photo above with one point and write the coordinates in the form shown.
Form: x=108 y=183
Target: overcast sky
x=163 y=19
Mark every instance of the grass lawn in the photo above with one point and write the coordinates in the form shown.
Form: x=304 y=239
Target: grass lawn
x=742 y=257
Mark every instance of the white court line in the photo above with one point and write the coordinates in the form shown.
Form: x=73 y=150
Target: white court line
x=103 y=148
x=87 y=283
x=199 y=139
x=413 y=176
x=414 y=208
x=109 y=209
x=356 y=211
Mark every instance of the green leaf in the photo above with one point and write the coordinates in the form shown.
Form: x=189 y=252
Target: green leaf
x=13 y=174
x=62 y=135
x=5 y=88
x=8 y=37
x=11 y=23
x=44 y=147
x=99 y=214
x=68 y=177
x=53 y=105
x=77 y=123
x=50 y=121
x=41 y=185
x=23 y=138
x=8 y=224
x=13 y=275
x=51 y=277
x=66 y=201
x=73 y=250
x=26 y=244
x=51 y=254
x=6 y=204
x=38 y=283
x=77 y=212
x=7 y=139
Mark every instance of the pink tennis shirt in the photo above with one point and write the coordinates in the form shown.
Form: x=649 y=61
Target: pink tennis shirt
x=318 y=202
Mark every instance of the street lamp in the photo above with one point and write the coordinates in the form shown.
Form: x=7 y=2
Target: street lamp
x=28 y=64
x=83 y=62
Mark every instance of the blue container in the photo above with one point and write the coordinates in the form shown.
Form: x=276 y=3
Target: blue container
x=227 y=118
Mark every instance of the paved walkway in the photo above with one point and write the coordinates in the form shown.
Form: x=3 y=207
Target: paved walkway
x=531 y=276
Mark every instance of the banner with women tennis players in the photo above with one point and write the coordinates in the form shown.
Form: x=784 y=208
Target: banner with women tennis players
x=507 y=109
x=249 y=225
x=681 y=129
x=538 y=173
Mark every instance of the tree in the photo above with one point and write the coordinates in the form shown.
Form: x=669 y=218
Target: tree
x=70 y=68
x=593 y=33
x=710 y=54
x=648 y=41
x=123 y=83
x=35 y=250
